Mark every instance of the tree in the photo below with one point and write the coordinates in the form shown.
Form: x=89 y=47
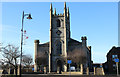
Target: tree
x=78 y=56
x=70 y=55
x=41 y=59
x=4 y=66
x=11 y=55
x=27 y=60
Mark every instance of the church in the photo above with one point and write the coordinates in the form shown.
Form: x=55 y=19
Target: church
x=60 y=43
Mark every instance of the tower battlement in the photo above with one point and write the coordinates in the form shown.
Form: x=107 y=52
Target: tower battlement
x=59 y=14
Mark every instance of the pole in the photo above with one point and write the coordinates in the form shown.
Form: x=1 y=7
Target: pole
x=21 y=42
x=117 y=69
x=69 y=70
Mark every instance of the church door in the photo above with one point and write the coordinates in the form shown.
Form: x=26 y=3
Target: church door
x=59 y=64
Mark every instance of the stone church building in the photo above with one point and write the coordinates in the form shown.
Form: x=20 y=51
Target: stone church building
x=60 y=42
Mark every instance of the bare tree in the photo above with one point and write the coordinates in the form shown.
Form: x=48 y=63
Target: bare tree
x=70 y=55
x=11 y=55
x=77 y=56
x=27 y=61
x=41 y=59
x=0 y=46
x=4 y=66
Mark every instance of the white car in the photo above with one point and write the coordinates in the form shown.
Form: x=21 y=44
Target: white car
x=72 y=68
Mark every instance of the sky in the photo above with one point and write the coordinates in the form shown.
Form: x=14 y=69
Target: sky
x=98 y=21
x=119 y=24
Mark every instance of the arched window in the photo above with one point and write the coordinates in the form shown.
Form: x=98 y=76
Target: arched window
x=58 y=23
x=59 y=48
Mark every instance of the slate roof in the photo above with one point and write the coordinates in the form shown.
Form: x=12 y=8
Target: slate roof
x=44 y=44
x=71 y=42
x=114 y=50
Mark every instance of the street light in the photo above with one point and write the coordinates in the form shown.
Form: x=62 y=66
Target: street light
x=29 y=17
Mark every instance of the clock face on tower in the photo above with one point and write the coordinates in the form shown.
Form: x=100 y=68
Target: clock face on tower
x=58 y=32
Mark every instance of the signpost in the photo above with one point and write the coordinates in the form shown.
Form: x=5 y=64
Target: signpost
x=117 y=61
x=69 y=62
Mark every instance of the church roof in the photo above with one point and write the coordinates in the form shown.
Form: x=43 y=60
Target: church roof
x=45 y=44
x=72 y=41
x=114 y=50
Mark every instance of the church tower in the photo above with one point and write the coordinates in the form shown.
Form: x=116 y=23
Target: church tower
x=59 y=37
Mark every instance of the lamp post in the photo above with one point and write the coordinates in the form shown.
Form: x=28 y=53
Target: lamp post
x=29 y=17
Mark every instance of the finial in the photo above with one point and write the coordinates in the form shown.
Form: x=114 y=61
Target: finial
x=84 y=38
x=51 y=6
x=68 y=10
x=64 y=4
x=55 y=11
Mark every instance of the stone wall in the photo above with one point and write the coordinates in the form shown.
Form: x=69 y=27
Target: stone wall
x=98 y=71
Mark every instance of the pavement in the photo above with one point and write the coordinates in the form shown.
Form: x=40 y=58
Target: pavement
x=60 y=75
